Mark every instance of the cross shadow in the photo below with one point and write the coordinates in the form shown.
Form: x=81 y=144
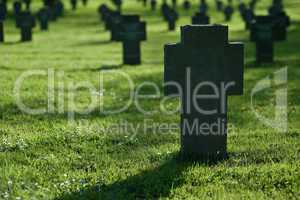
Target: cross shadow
x=254 y=64
x=107 y=67
x=93 y=43
x=149 y=184
x=12 y=43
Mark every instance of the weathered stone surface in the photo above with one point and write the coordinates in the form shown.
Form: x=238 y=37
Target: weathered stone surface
x=204 y=60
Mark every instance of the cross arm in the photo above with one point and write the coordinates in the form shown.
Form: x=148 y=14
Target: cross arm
x=234 y=68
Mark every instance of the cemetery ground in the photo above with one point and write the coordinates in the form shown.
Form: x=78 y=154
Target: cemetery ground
x=46 y=157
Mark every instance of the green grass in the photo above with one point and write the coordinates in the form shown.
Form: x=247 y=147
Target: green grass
x=45 y=157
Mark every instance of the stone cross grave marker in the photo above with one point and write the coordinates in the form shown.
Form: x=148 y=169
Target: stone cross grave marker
x=203 y=6
x=153 y=4
x=84 y=2
x=26 y=22
x=164 y=9
x=228 y=11
x=131 y=32
x=4 y=2
x=174 y=4
x=171 y=17
x=281 y=23
x=27 y=4
x=103 y=11
x=2 y=18
x=186 y=5
x=265 y=30
x=43 y=17
x=219 y=5
x=73 y=4
x=145 y=3
x=17 y=8
x=200 y=18
x=277 y=7
x=115 y=22
x=247 y=16
x=252 y=4
x=203 y=69
x=118 y=4
x=58 y=9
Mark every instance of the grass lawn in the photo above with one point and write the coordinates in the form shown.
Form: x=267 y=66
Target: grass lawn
x=45 y=156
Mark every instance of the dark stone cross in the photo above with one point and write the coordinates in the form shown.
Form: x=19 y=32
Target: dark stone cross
x=219 y=5
x=262 y=35
x=153 y=4
x=171 y=17
x=17 y=8
x=242 y=7
x=252 y=4
x=118 y=4
x=4 y=2
x=203 y=70
x=281 y=23
x=111 y=19
x=73 y=4
x=58 y=8
x=174 y=3
x=131 y=32
x=145 y=3
x=228 y=11
x=43 y=17
x=265 y=30
x=165 y=9
x=114 y=23
x=248 y=16
x=48 y=3
x=84 y=2
x=203 y=6
x=25 y=22
x=186 y=5
x=103 y=11
x=200 y=19
x=277 y=7
x=27 y=4
x=2 y=18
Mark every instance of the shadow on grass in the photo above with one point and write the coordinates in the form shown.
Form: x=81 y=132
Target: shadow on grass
x=93 y=43
x=108 y=67
x=12 y=43
x=149 y=184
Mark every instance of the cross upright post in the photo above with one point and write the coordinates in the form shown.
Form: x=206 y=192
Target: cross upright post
x=186 y=5
x=203 y=69
x=43 y=17
x=153 y=4
x=131 y=32
x=171 y=17
x=219 y=5
x=17 y=8
x=73 y=4
x=26 y=22
x=228 y=11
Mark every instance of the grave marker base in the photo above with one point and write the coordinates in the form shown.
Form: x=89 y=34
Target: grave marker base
x=264 y=52
x=131 y=53
x=26 y=34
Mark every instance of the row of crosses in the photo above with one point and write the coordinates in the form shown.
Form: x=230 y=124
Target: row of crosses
x=25 y=21
x=127 y=29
